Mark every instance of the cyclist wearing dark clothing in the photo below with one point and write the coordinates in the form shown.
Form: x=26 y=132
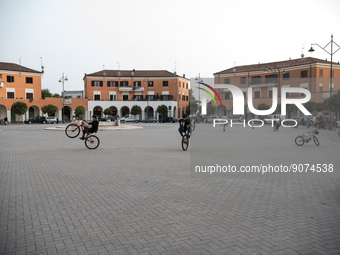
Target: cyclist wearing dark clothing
x=94 y=127
x=185 y=122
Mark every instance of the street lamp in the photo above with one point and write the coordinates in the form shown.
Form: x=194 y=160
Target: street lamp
x=198 y=80
x=311 y=50
x=62 y=80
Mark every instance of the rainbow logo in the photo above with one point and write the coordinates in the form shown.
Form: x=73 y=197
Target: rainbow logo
x=208 y=92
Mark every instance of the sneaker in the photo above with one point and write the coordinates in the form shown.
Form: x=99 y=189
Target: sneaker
x=82 y=138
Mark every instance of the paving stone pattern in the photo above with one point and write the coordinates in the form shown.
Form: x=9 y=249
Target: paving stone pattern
x=135 y=195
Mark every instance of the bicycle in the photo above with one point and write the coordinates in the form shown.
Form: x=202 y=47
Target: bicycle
x=72 y=131
x=306 y=138
x=185 y=134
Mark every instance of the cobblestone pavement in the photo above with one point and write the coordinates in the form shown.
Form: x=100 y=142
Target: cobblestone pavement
x=135 y=194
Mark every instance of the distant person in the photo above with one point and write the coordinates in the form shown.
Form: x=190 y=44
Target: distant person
x=6 y=121
x=278 y=124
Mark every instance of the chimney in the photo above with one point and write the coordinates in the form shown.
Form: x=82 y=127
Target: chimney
x=184 y=75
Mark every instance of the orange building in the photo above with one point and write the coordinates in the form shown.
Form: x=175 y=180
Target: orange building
x=121 y=89
x=309 y=73
x=19 y=83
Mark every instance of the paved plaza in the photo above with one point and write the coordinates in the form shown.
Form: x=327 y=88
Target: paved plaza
x=137 y=192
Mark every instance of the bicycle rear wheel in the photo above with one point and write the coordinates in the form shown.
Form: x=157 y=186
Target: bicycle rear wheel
x=316 y=141
x=185 y=142
x=72 y=130
x=299 y=140
x=92 y=142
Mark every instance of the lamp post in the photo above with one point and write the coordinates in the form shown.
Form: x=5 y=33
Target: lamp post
x=198 y=80
x=331 y=72
x=62 y=80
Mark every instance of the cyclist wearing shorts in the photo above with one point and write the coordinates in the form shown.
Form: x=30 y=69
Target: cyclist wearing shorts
x=94 y=127
x=185 y=122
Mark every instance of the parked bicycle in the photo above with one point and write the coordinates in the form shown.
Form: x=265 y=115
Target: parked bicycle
x=306 y=138
x=73 y=130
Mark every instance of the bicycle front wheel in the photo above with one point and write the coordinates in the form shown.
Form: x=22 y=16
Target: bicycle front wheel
x=299 y=140
x=185 y=142
x=72 y=130
x=92 y=142
x=316 y=141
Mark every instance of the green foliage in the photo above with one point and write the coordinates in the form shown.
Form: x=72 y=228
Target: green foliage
x=211 y=109
x=79 y=111
x=19 y=108
x=310 y=106
x=136 y=110
x=163 y=110
x=45 y=93
x=290 y=108
x=320 y=106
x=263 y=106
x=56 y=95
x=49 y=109
x=332 y=104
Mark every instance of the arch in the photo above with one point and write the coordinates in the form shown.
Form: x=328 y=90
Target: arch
x=221 y=111
x=33 y=111
x=149 y=111
x=98 y=111
x=3 y=111
x=124 y=111
x=66 y=113
x=114 y=110
x=175 y=112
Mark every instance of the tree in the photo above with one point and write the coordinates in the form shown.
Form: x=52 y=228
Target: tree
x=79 y=111
x=162 y=110
x=320 y=106
x=49 y=109
x=263 y=106
x=310 y=106
x=191 y=95
x=56 y=95
x=211 y=110
x=290 y=108
x=45 y=93
x=135 y=110
x=108 y=111
x=19 y=108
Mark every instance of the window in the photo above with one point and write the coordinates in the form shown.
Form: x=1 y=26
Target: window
x=10 y=94
x=257 y=94
x=165 y=97
x=150 y=84
x=113 y=98
x=124 y=84
x=112 y=83
x=271 y=78
x=243 y=80
x=179 y=84
x=10 y=78
x=97 y=97
x=227 y=81
x=96 y=83
x=227 y=95
x=183 y=98
x=29 y=95
x=255 y=79
x=137 y=84
x=151 y=97
x=321 y=73
x=165 y=83
x=270 y=94
x=286 y=76
x=187 y=98
x=125 y=97
x=321 y=87
x=138 y=97
x=183 y=84
x=187 y=85
x=29 y=80
x=331 y=74
x=304 y=74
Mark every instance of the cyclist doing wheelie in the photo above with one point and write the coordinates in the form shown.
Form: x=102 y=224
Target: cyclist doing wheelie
x=184 y=125
x=89 y=130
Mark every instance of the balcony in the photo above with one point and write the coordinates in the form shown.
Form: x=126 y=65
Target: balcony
x=260 y=85
x=123 y=89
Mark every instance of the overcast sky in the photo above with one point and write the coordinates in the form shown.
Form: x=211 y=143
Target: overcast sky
x=194 y=37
